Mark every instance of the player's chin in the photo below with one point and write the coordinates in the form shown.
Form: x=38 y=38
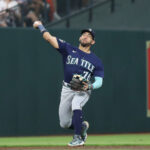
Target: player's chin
x=85 y=44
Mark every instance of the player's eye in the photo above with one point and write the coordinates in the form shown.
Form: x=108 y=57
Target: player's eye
x=87 y=35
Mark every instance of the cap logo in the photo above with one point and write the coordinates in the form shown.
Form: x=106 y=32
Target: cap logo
x=90 y=29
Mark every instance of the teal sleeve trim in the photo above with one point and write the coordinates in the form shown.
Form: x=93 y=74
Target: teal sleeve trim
x=98 y=82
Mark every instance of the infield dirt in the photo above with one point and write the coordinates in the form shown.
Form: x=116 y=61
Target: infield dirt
x=79 y=148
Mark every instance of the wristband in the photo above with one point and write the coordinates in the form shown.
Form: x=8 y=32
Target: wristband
x=42 y=28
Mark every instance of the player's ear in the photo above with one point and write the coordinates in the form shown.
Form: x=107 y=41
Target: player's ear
x=93 y=42
x=79 y=38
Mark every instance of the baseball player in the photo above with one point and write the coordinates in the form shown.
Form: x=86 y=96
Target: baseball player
x=80 y=64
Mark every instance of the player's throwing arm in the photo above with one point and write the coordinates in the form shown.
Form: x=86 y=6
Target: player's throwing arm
x=46 y=35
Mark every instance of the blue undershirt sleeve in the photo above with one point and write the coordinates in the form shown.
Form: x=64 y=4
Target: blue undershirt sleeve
x=98 y=82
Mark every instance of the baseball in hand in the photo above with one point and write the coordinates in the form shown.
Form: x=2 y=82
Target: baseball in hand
x=36 y=24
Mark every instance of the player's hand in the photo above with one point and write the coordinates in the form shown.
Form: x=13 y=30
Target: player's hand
x=36 y=24
x=86 y=86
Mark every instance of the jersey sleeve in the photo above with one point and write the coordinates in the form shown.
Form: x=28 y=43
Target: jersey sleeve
x=63 y=46
x=99 y=70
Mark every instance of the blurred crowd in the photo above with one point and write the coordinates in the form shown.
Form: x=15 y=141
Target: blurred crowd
x=22 y=13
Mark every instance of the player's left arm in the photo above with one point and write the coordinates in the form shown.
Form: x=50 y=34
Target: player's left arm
x=97 y=83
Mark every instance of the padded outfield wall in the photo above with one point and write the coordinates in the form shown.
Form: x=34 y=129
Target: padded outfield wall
x=31 y=77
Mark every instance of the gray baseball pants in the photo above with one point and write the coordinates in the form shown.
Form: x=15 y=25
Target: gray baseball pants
x=70 y=100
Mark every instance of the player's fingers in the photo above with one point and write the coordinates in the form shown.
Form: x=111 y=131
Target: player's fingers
x=36 y=24
x=85 y=86
x=84 y=83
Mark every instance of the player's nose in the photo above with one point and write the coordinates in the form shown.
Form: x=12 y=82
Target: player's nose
x=85 y=38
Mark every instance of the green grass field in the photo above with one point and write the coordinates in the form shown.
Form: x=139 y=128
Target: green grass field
x=98 y=140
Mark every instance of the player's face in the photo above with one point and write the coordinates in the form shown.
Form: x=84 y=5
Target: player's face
x=86 y=39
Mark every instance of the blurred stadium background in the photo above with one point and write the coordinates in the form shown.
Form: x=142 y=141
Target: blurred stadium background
x=31 y=70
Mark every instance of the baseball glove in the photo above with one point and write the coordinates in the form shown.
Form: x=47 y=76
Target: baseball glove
x=77 y=83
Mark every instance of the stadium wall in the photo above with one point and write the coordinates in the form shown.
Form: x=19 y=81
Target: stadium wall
x=31 y=80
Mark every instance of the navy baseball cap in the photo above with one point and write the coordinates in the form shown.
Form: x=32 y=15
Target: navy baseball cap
x=90 y=31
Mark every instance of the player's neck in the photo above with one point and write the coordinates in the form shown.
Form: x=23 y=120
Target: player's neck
x=85 y=49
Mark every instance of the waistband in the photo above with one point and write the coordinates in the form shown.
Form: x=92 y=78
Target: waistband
x=68 y=85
